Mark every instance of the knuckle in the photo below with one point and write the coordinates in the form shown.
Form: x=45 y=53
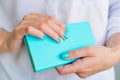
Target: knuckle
x=42 y=25
x=83 y=70
x=48 y=21
x=28 y=29
x=54 y=34
x=60 y=31
x=62 y=24
x=74 y=53
x=50 y=18
x=82 y=66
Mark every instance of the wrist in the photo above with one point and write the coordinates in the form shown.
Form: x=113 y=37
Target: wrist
x=4 y=39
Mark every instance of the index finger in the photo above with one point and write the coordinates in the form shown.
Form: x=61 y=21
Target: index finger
x=70 y=68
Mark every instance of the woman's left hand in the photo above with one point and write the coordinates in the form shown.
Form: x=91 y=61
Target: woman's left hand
x=93 y=59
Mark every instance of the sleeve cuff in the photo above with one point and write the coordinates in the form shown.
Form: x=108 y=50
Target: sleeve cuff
x=113 y=31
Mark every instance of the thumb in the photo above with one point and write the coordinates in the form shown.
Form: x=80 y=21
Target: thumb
x=80 y=53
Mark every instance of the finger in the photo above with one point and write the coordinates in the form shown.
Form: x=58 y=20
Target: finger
x=74 y=54
x=86 y=73
x=56 y=28
x=82 y=75
x=35 y=32
x=21 y=32
x=36 y=18
x=44 y=17
x=59 y=68
x=64 y=70
x=71 y=68
x=30 y=22
x=57 y=22
x=39 y=17
x=47 y=30
x=77 y=53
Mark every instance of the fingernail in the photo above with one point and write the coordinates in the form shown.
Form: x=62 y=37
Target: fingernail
x=44 y=36
x=67 y=29
x=66 y=35
x=60 y=39
x=65 y=55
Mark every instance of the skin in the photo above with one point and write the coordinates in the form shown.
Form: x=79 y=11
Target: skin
x=94 y=59
x=34 y=24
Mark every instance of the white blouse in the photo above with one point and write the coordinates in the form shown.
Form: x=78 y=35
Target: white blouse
x=103 y=15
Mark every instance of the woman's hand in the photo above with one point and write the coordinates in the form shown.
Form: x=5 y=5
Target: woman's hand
x=93 y=59
x=36 y=25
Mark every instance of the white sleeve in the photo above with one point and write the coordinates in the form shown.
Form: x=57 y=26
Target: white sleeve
x=1 y=29
x=114 y=18
x=8 y=15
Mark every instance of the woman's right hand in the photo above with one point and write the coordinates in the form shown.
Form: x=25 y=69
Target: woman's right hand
x=37 y=25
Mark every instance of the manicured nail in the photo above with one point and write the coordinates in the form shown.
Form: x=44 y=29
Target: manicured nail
x=60 y=39
x=44 y=36
x=66 y=35
x=65 y=55
x=67 y=29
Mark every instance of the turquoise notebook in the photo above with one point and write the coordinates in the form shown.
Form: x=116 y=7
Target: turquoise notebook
x=45 y=54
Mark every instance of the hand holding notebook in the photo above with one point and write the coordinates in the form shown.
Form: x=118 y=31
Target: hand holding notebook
x=45 y=54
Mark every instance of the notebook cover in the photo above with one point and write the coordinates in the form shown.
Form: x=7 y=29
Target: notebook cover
x=45 y=54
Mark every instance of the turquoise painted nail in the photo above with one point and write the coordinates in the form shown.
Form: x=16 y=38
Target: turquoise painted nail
x=44 y=36
x=67 y=29
x=65 y=55
x=60 y=39
x=66 y=35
